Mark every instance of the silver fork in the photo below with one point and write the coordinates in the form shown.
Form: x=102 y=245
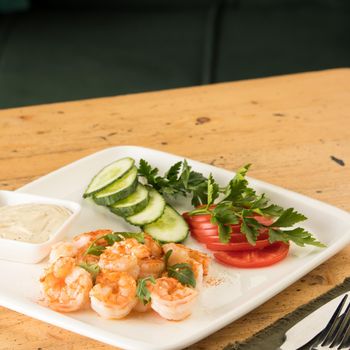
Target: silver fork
x=336 y=335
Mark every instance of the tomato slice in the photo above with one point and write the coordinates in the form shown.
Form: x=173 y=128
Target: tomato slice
x=208 y=225
x=235 y=238
x=197 y=218
x=254 y=258
x=213 y=231
x=202 y=224
x=238 y=246
x=203 y=221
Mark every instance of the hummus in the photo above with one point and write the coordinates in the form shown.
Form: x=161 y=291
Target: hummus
x=31 y=222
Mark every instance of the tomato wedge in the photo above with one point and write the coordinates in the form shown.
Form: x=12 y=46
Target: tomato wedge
x=254 y=258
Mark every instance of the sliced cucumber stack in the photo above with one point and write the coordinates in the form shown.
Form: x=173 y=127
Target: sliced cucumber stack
x=117 y=190
x=132 y=204
x=116 y=186
x=108 y=175
x=151 y=212
x=170 y=227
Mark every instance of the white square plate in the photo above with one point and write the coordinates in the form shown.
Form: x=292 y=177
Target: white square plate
x=239 y=292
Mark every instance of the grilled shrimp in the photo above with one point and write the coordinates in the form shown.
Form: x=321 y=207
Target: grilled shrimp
x=124 y=256
x=132 y=246
x=114 y=295
x=151 y=267
x=83 y=241
x=62 y=249
x=179 y=253
x=65 y=286
x=152 y=264
x=200 y=257
x=197 y=269
x=172 y=300
x=153 y=246
x=77 y=248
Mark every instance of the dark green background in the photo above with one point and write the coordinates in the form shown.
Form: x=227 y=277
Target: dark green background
x=67 y=50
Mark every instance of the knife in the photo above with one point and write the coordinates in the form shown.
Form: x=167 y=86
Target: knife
x=310 y=326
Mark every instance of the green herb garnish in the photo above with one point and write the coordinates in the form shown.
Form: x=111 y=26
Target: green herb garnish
x=142 y=291
x=241 y=203
x=180 y=179
x=183 y=273
x=166 y=257
x=93 y=269
x=95 y=249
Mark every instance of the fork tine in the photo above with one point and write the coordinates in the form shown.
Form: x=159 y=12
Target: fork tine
x=343 y=325
x=313 y=342
x=310 y=345
x=331 y=327
x=318 y=338
x=346 y=334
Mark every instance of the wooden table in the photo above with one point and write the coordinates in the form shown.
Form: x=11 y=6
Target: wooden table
x=295 y=130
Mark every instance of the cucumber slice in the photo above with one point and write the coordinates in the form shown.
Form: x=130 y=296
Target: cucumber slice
x=132 y=204
x=170 y=227
x=152 y=212
x=118 y=190
x=108 y=175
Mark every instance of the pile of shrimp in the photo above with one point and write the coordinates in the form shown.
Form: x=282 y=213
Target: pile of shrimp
x=67 y=287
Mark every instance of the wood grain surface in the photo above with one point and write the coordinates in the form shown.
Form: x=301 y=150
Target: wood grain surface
x=295 y=130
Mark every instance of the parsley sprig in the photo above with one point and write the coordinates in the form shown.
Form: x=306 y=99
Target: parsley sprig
x=93 y=269
x=239 y=205
x=236 y=203
x=182 y=272
x=142 y=291
x=180 y=179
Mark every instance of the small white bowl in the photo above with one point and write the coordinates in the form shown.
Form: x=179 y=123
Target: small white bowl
x=33 y=253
